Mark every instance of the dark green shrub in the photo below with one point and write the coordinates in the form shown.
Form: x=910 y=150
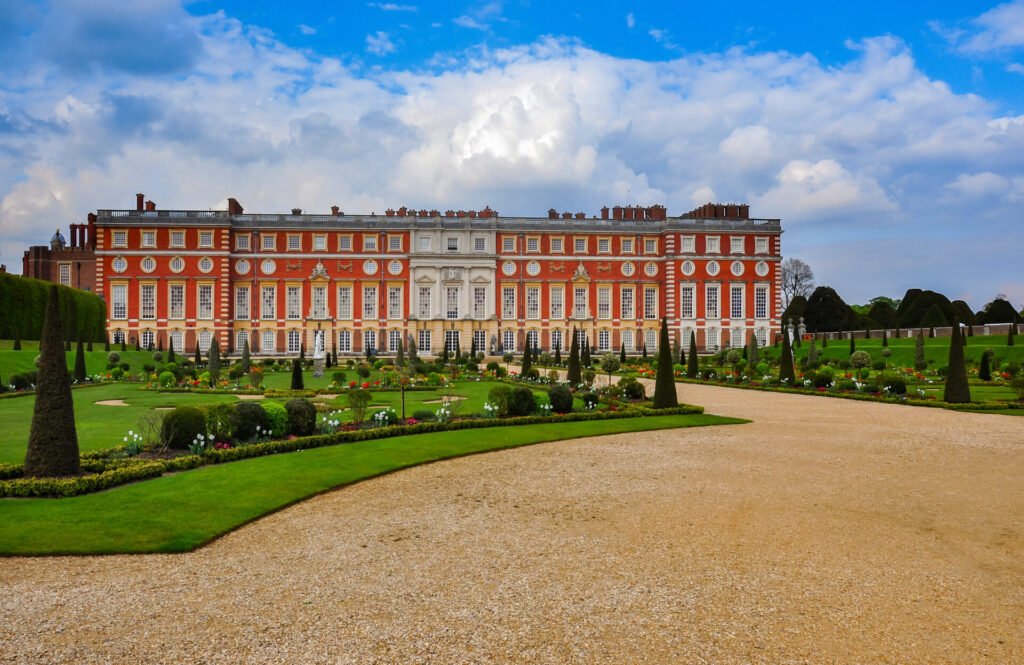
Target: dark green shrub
x=114 y=357
x=246 y=418
x=338 y=378
x=820 y=379
x=589 y=399
x=847 y=385
x=560 y=398
x=116 y=373
x=181 y=427
x=148 y=368
x=532 y=374
x=219 y=419
x=301 y=417
x=267 y=362
x=25 y=380
x=493 y=366
x=1018 y=386
x=521 y=403
x=167 y=379
x=423 y=415
x=125 y=367
x=277 y=417
x=878 y=365
x=363 y=371
x=501 y=397
x=895 y=385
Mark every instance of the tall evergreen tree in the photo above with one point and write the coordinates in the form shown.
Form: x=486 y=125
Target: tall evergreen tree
x=824 y=340
x=52 y=440
x=106 y=343
x=527 y=363
x=161 y=347
x=664 y=382
x=622 y=355
x=297 y=383
x=644 y=350
x=786 y=373
x=1009 y=334
x=957 y=390
x=198 y=359
x=67 y=345
x=458 y=347
x=246 y=358
x=585 y=352
x=853 y=343
x=558 y=353
x=444 y=353
x=573 y=373
x=170 y=353
x=80 y=361
x=17 y=344
x=677 y=353
x=302 y=352
x=400 y=358
x=124 y=346
x=754 y=354
x=919 y=361
x=138 y=342
x=472 y=346
x=88 y=346
x=692 y=368
x=213 y=359
x=885 y=338
x=984 y=369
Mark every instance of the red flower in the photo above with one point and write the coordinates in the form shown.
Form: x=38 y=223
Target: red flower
x=366 y=384
x=351 y=384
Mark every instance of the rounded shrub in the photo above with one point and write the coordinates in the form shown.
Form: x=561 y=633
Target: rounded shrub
x=860 y=359
x=246 y=418
x=533 y=374
x=301 y=416
x=277 y=417
x=116 y=373
x=158 y=357
x=167 y=379
x=423 y=415
x=219 y=419
x=125 y=367
x=895 y=385
x=762 y=369
x=114 y=357
x=1018 y=386
x=589 y=399
x=363 y=371
x=501 y=397
x=560 y=398
x=878 y=365
x=522 y=403
x=493 y=366
x=181 y=427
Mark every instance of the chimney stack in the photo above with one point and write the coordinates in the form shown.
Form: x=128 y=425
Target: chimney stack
x=234 y=207
x=150 y=206
x=334 y=210
x=296 y=211
x=139 y=198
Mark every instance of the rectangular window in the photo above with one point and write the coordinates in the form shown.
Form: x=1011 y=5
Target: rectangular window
x=344 y=243
x=149 y=238
x=293 y=302
x=508 y=303
x=628 y=307
x=242 y=302
x=344 y=302
x=369 y=243
x=557 y=302
x=369 y=302
x=395 y=243
x=604 y=245
x=268 y=302
x=119 y=302
x=206 y=238
x=736 y=244
x=241 y=241
x=533 y=302
x=479 y=302
x=269 y=242
x=760 y=245
x=178 y=239
x=761 y=302
x=627 y=245
x=65 y=274
x=479 y=244
x=370 y=340
x=424 y=243
x=423 y=341
x=319 y=243
x=423 y=302
x=604 y=303
x=294 y=243
x=176 y=300
x=451 y=309
x=394 y=302
x=319 y=295
x=345 y=341
x=508 y=244
x=294 y=341
x=581 y=245
x=687 y=244
x=480 y=340
x=556 y=339
x=686 y=305
x=205 y=301
x=120 y=238
x=533 y=244
x=394 y=340
x=604 y=342
x=650 y=246
x=650 y=303
x=556 y=245
x=736 y=302
x=453 y=243
x=711 y=244
x=147 y=298
x=579 y=303
x=451 y=340
x=711 y=302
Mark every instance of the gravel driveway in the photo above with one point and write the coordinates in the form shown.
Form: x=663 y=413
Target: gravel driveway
x=827 y=531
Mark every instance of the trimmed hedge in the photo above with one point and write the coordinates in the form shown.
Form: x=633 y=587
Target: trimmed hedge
x=83 y=314
x=106 y=473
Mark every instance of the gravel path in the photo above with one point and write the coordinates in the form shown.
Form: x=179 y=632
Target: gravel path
x=827 y=531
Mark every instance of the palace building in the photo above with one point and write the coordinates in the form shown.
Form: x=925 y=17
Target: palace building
x=458 y=278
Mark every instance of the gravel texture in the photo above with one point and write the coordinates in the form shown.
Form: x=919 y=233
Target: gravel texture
x=827 y=531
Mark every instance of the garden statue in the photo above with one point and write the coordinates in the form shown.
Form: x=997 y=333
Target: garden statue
x=318 y=354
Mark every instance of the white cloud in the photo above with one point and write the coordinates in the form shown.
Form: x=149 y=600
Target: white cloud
x=1000 y=28
x=807 y=190
x=306 y=30
x=392 y=7
x=1015 y=68
x=481 y=16
x=975 y=186
x=630 y=20
x=379 y=44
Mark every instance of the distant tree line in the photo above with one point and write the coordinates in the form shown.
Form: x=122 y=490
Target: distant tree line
x=825 y=311
x=23 y=309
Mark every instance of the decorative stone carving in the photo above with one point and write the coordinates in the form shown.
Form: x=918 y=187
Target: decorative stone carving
x=581 y=272
x=451 y=274
x=319 y=271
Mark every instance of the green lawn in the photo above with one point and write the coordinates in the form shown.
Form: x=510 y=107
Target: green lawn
x=180 y=512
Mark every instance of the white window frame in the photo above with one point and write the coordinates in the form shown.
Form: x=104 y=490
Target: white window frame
x=65 y=274
x=369 y=302
x=452 y=341
x=580 y=308
x=119 y=302
x=688 y=244
x=627 y=303
x=423 y=341
x=627 y=339
x=147 y=310
x=761 y=245
x=394 y=340
x=369 y=243
x=712 y=244
x=604 y=302
x=206 y=238
x=557 y=304
x=604 y=340
x=204 y=301
x=241 y=337
x=712 y=301
x=370 y=340
x=451 y=304
x=479 y=244
x=736 y=244
x=241 y=242
x=734 y=311
x=268 y=341
x=424 y=243
x=395 y=302
x=626 y=246
x=344 y=302
x=176 y=302
x=294 y=338
x=425 y=301
x=760 y=302
x=176 y=340
x=508 y=340
x=268 y=303
x=345 y=341
x=242 y=303
x=293 y=302
x=479 y=302
x=318 y=296
x=508 y=302
x=533 y=302
x=650 y=302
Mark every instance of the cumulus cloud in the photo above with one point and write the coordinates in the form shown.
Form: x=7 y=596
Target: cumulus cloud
x=872 y=145
x=379 y=44
x=1000 y=28
x=306 y=30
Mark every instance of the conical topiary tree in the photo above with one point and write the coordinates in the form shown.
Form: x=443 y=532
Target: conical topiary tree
x=527 y=363
x=80 y=362
x=297 y=383
x=585 y=352
x=677 y=353
x=160 y=348
x=573 y=374
x=400 y=357
x=1009 y=334
x=213 y=360
x=984 y=369
x=52 y=440
x=692 y=368
x=302 y=352
x=170 y=353
x=246 y=358
x=754 y=354
x=957 y=390
x=919 y=361
x=885 y=338
x=88 y=346
x=198 y=357
x=622 y=355
x=853 y=343
x=664 y=383
x=558 y=353
x=786 y=373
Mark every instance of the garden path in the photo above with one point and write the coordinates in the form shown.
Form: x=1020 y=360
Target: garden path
x=826 y=531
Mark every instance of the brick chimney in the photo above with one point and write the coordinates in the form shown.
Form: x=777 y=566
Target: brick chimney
x=552 y=213
x=296 y=211
x=334 y=210
x=139 y=198
x=604 y=212
x=92 y=229
x=234 y=207
x=150 y=206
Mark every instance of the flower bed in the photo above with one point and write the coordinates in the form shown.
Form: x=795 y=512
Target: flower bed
x=106 y=470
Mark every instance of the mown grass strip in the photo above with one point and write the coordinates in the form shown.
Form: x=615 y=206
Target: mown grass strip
x=181 y=512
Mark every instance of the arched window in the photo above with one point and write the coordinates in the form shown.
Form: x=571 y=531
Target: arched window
x=711 y=336
x=268 y=341
x=762 y=337
x=205 y=341
x=556 y=340
x=147 y=339
x=345 y=341
x=736 y=338
x=118 y=337
x=177 y=341
x=451 y=340
x=241 y=337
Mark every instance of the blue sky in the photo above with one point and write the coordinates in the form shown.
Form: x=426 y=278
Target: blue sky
x=889 y=137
